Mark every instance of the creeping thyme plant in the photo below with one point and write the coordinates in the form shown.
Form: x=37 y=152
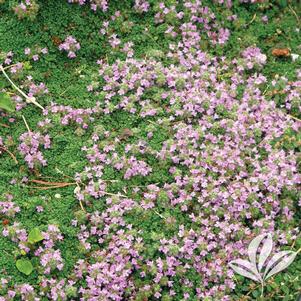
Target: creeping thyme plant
x=144 y=144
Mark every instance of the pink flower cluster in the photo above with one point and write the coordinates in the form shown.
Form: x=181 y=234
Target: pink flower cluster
x=16 y=69
x=50 y=260
x=7 y=57
x=30 y=148
x=22 y=292
x=9 y=208
x=223 y=176
x=203 y=20
x=95 y=4
x=57 y=290
x=34 y=54
x=291 y=91
x=229 y=3
x=141 y=6
x=69 y=115
x=253 y=58
x=71 y=46
x=18 y=235
x=94 y=186
x=136 y=167
x=33 y=88
x=26 y=9
x=108 y=271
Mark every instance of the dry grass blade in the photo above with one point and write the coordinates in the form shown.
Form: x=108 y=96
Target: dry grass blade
x=52 y=183
x=4 y=125
x=10 y=153
x=26 y=124
x=294 y=13
x=52 y=186
x=27 y=98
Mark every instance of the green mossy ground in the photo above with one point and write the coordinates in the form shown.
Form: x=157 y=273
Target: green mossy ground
x=67 y=80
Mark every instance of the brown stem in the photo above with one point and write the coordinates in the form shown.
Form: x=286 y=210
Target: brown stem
x=53 y=186
x=10 y=153
x=52 y=183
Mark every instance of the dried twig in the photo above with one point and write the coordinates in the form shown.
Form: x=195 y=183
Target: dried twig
x=294 y=13
x=10 y=153
x=254 y=17
x=49 y=187
x=294 y=242
x=159 y=214
x=52 y=183
x=81 y=206
x=157 y=124
x=113 y=194
x=27 y=98
x=80 y=202
x=65 y=91
x=293 y=117
x=7 y=67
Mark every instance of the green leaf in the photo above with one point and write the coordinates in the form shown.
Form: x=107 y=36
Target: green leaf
x=34 y=236
x=256 y=293
x=283 y=3
x=285 y=289
x=3 y=84
x=24 y=266
x=6 y=103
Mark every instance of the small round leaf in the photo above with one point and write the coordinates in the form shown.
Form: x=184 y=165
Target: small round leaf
x=6 y=103
x=34 y=236
x=24 y=266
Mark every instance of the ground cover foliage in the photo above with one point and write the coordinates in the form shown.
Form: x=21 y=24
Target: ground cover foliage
x=169 y=139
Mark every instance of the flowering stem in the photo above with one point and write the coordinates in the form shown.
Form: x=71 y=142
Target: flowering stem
x=293 y=117
x=113 y=194
x=254 y=17
x=80 y=202
x=27 y=98
x=159 y=214
x=12 y=83
x=26 y=124
x=262 y=288
x=81 y=206
x=7 y=67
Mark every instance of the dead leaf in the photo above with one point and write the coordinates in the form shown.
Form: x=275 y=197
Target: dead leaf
x=5 y=222
x=281 y=52
x=56 y=40
x=126 y=133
